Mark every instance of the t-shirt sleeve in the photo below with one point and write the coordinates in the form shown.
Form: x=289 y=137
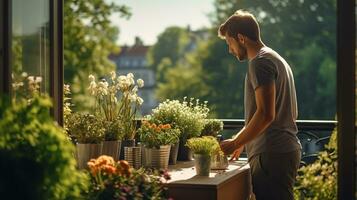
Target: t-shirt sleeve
x=262 y=71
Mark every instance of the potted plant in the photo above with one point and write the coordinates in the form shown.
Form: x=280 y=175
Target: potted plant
x=107 y=104
x=203 y=148
x=212 y=127
x=87 y=132
x=187 y=116
x=35 y=153
x=112 y=138
x=118 y=180
x=157 y=140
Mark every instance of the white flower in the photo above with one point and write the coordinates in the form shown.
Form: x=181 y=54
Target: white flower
x=113 y=75
x=133 y=98
x=38 y=79
x=24 y=74
x=91 y=78
x=92 y=88
x=139 y=100
x=140 y=82
x=130 y=75
x=30 y=79
x=135 y=89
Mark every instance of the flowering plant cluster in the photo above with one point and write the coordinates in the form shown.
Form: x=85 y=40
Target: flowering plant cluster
x=187 y=116
x=154 y=135
x=118 y=180
x=25 y=86
x=107 y=92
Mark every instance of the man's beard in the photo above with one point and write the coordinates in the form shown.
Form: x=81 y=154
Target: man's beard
x=242 y=53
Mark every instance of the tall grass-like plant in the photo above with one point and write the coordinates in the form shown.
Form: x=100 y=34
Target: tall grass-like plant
x=36 y=158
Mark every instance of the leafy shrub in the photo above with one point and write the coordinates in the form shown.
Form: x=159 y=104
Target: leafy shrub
x=212 y=127
x=85 y=128
x=114 y=130
x=319 y=179
x=187 y=116
x=207 y=145
x=36 y=159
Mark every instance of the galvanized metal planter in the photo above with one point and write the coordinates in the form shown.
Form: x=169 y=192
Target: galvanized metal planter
x=125 y=143
x=112 y=148
x=202 y=164
x=133 y=156
x=157 y=158
x=85 y=152
x=173 y=154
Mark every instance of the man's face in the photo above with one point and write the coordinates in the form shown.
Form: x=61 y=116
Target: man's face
x=236 y=48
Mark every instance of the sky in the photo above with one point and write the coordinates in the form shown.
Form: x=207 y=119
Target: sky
x=150 y=18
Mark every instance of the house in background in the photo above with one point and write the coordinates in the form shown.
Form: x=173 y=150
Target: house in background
x=132 y=59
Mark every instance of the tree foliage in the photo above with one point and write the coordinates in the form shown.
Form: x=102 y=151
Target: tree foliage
x=89 y=38
x=303 y=32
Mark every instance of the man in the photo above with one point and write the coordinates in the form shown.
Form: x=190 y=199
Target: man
x=269 y=134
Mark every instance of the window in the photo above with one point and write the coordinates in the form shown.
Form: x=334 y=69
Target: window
x=30 y=39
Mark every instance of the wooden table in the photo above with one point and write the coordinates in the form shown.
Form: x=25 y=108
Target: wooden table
x=233 y=183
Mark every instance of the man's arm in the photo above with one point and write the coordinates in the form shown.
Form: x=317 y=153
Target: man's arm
x=262 y=118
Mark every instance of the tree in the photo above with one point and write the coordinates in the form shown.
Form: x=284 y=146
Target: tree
x=89 y=38
x=171 y=44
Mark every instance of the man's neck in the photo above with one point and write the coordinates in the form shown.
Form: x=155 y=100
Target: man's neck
x=253 y=49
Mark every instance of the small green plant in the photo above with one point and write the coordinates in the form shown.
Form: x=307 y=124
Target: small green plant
x=319 y=179
x=155 y=135
x=212 y=127
x=114 y=130
x=187 y=116
x=206 y=145
x=118 y=180
x=85 y=128
x=36 y=158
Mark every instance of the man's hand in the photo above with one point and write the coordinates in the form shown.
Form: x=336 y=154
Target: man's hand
x=229 y=146
x=236 y=154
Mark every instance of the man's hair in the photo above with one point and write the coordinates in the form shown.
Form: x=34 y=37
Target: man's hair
x=241 y=22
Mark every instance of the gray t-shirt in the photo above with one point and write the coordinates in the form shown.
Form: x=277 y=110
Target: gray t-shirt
x=280 y=136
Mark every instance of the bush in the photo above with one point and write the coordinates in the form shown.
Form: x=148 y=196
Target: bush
x=319 y=179
x=206 y=145
x=212 y=127
x=85 y=128
x=187 y=116
x=36 y=159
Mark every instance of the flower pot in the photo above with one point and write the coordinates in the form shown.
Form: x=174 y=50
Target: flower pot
x=157 y=158
x=112 y=148
x=125 y=143
x=184 y=153
x=133 y=156
x=173 y=154
x=85 y=152
x=202 y=164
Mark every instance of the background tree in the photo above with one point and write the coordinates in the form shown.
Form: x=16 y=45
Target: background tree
x=89 y=38
x=303 y=32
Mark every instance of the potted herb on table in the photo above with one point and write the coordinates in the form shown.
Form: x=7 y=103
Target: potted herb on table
x=203 y=148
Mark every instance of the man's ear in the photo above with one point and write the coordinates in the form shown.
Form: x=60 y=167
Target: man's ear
x=241 y=38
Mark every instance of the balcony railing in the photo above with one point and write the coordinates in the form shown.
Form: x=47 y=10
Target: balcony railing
x=313 y=135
